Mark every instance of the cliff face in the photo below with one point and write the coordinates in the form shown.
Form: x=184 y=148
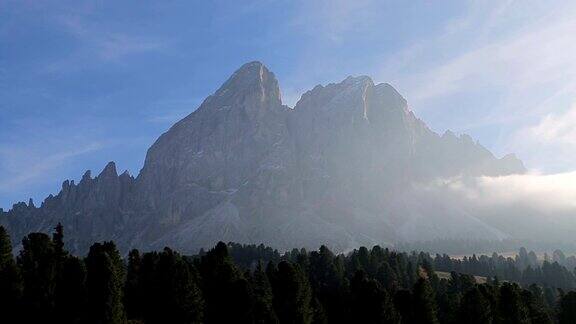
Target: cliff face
x=211 y=152
x=338 y=169
x=94 y=209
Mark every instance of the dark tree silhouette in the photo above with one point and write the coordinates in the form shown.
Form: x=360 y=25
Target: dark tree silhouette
x=39 y=268
x=10 y=280
x=292 y=294
x=567 y=308
x=263 y=297
x=424 y=303
x=104 y=283
x=225 y=289
x=46 y=284
x=475 y=308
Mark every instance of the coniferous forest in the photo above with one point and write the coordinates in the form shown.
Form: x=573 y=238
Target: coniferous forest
x=233 y=283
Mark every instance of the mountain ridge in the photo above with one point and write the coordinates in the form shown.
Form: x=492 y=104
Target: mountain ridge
x=338 y=168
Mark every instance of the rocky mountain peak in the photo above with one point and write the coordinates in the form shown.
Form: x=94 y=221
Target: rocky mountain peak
x=109 y=171
x=390 y=97
x=511 y=164
x=449 y=134
x=252 y=71
x=358 y=100
x=361 y=80
x=251 y=86
x=217 y=147
x=87 y=177
x=348 y=94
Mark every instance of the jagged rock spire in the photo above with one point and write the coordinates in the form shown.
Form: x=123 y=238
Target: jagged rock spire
x=252 y=88
x=109 y=170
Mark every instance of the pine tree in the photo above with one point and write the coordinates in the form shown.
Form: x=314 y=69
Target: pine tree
x=5 y=248
x=550 y=296
x=263 y=298
x=474 y=308
x=292 y=295
x=387 y=277
x=178 y=299
x=326 y=276
x=10 y=280
x=224 y=288
x=424 y=302
x=104 y=283
x=534 y=301
x=318 y=314
x=133 y=293
x=58 y=241
x=491 y=293
x=511 y=307
x=370 y=303
x=143 y=303
x=70 y=296
x=39 y=268
x=411 y=274
x=567 y=308
x=448 y=305
x=404 y=306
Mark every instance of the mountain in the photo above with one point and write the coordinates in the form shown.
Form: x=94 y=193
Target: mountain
x=342 y=168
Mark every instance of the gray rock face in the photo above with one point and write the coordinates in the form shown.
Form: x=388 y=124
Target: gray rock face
x=338 y=169
x=94 y=209
x=216 y=148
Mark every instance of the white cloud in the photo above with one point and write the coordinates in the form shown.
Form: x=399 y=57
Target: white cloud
x=531 y=206
x=545 y=192
x=550 y=141
x=556 y=128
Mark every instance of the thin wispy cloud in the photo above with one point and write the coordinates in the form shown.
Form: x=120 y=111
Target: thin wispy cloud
x=38 y=152
x=116 y=46
x=556 y=128
x=26 y=165
x=108 y=45
x=99 y=44
x=551 y=139
x=334 y=19
x=540 y=52
x=518 y=55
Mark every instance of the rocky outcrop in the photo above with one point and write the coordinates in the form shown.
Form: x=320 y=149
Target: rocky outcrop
x=338 y=169
x=97 y=208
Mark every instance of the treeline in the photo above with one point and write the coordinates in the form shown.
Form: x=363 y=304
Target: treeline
x=524 y=269
x=478 y=246
x=556 y=271
x=46 y=284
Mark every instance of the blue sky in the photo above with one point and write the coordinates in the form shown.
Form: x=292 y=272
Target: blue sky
x=86 y=82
